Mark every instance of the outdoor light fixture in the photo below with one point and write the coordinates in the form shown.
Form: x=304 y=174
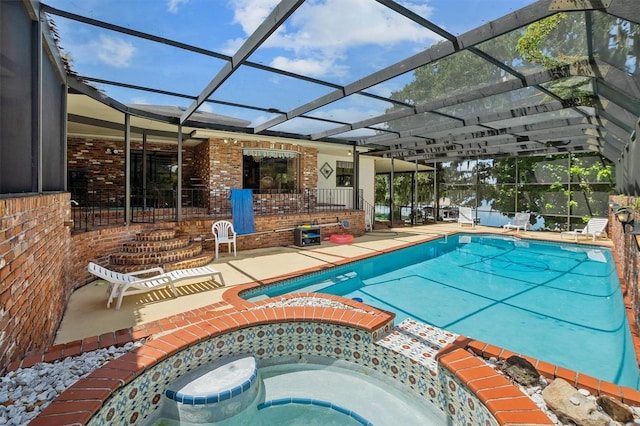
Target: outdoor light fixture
x=623 y=214
x=613 y=206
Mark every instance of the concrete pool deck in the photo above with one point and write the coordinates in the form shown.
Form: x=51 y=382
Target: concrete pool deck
x=87 y=316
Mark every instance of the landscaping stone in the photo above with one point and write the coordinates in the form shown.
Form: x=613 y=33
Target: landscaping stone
x=521 y=370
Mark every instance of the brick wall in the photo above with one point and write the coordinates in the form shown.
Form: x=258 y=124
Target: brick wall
x=627 y=253
x=105 y=171
x=34 y=284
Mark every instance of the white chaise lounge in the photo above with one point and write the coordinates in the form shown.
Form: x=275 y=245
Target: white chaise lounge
x=154 y=278
x=519 y=221
x=595 y=228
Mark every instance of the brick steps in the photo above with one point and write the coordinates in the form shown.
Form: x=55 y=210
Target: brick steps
x=155 y=246
x=204 y=259
x=151 y=258
x=160 y=247
x=156 y=235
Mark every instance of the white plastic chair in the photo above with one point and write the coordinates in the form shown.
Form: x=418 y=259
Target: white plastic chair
x=465 y=216
x=223 y=232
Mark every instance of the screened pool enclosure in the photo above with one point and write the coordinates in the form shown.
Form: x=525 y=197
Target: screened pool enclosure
x=552 y=78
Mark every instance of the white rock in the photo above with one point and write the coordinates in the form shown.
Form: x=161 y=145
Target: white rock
x=584 y=392
x=45 y=381
x=574 y=400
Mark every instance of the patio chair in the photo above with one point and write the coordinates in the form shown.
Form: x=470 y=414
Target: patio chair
x=595 y=228
x=465 y=216
x=147 y=280
x=223 y=232
x=520 y=220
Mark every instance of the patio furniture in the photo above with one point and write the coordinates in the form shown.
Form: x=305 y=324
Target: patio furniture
x=595 y=228
x=465 y=216
x=147 y=280
x=223 y=232
x=520 y=220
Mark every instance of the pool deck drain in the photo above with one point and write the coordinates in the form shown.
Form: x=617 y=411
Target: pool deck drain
x=418 y=341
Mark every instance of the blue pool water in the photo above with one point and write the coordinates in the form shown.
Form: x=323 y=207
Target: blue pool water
x=560 y=303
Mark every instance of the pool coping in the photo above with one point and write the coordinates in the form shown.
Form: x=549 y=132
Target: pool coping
x=80 y=402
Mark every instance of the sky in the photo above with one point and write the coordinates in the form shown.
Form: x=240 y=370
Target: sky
x=339 y=41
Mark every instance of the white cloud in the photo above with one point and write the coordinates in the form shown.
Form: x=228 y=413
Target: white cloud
x=320 y=33
x=357 y=23
x=172 y=5
x=308 y=66
x=115 y=51
x=250 y=13
x=232 y=46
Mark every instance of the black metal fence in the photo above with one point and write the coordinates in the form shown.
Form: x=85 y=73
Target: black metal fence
x=95 y=209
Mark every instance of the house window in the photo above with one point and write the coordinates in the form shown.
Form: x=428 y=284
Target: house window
x=270 y=171
x=344 y=173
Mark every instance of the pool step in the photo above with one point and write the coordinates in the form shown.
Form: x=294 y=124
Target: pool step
x=213 y=393
x=418 y=341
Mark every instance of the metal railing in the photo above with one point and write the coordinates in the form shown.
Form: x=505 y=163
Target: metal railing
x=101 y=208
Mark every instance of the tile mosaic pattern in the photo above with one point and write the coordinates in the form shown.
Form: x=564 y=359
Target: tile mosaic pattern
x=418 y=341
x=460 y=404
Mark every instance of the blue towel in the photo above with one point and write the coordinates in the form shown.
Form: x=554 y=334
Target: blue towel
x=242 y=211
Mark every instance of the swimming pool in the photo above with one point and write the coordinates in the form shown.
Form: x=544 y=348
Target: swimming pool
x=560 y=303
